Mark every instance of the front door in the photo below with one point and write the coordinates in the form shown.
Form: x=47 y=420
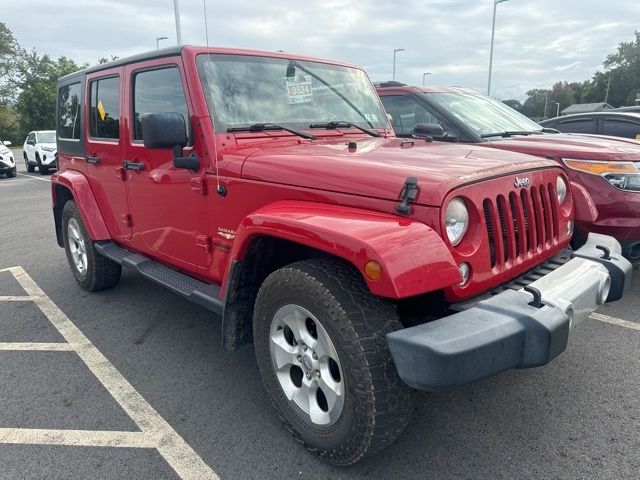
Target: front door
x=30 y=147
x=169 y=216
x=104 y=149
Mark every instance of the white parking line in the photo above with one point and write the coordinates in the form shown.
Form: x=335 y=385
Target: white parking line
x=47 y=179
x=615 y=321
x=155 y=430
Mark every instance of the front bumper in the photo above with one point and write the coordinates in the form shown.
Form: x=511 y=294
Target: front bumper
x=510 y=329
x=48 y=159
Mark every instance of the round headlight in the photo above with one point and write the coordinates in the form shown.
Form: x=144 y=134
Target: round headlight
x=561 y=190
x=457 y=220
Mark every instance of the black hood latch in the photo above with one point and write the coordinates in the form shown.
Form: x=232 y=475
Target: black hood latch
x=407 y=195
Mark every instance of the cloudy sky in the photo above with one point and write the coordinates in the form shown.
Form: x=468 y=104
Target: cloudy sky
x=537 y=41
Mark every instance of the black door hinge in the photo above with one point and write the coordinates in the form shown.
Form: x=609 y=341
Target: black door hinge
x=407 y=195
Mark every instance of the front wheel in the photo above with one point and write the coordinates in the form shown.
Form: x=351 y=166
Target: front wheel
x=320 y=343
x=11 y=173
x=91 y=270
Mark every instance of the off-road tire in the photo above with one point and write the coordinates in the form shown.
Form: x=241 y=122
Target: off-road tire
x=101 y=272
x=377 y=405
x=11 y=173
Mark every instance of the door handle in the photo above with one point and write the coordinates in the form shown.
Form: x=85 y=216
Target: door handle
x=127 y=165
x=93 y=160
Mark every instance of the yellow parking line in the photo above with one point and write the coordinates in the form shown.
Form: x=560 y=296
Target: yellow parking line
x=615 y=321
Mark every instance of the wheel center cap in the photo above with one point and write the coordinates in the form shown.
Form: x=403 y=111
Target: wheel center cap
x=307 y=363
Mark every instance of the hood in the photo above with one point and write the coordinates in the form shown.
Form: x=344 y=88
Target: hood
x=378 y=167
x=568 y=145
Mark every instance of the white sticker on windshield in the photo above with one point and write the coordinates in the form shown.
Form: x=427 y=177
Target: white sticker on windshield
x=298 y=89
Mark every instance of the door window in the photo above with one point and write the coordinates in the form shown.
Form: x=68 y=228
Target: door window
x=582 y=125
x=104 y=114
x=31 y=137
x=69 y=100
x=406 y=113
x=158 y=91
x=620 y=128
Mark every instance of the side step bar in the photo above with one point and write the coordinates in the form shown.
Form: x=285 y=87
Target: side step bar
x=205 y=295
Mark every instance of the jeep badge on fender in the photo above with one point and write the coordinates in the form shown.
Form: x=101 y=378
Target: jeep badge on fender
x=356 y=264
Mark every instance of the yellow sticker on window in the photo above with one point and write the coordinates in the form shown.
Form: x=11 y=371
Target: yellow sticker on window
x=101 y=110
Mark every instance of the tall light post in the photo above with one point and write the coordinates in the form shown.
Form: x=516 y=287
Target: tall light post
x=176 y=11
x=158 y=41
x=424 y=77
x=557 y=109
x=395 y=50
x=493 y=31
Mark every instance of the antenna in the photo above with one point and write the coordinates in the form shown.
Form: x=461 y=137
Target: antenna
x=222 y=191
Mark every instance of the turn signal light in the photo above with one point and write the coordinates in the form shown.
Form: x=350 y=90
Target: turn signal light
x=598 y=168
x=372 y=270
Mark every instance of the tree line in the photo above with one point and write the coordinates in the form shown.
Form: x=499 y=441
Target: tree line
x=618 y=84
x=28 y=87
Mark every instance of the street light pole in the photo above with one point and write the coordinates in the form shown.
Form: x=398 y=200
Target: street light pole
x=395 y=50
x=176 y=10
x=424 y=77
x=493 y=31
x=158 y=41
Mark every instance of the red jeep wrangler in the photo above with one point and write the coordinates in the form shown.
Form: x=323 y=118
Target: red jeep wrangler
x=270 y=189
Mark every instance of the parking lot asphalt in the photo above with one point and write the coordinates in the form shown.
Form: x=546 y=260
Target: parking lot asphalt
x=578 y=417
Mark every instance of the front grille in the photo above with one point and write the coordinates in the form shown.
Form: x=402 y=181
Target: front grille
x=521 y=223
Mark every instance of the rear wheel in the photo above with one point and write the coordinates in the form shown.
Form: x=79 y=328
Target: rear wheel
x=91 y=270
x=320 y=342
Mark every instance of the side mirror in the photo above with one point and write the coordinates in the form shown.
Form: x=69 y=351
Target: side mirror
x=30 y=142
x=424 y=130
x=168 y=130
x=6 y=143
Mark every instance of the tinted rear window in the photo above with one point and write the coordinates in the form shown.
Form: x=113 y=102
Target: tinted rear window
x=69 y=99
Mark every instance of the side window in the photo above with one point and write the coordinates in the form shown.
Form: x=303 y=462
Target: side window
x=406 y=113
x=582 y=125
x=620 y=128
x=69 y=99
x=158 y=91
x=31 y=137
x=104 y=113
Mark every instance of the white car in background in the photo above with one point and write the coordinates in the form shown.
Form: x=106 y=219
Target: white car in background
x=39 y=150
x=7 y=162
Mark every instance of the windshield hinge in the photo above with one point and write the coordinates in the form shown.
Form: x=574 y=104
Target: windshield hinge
x=407 y=195
x=198 y=184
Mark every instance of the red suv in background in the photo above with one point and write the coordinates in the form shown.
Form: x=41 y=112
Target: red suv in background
x=604 y=171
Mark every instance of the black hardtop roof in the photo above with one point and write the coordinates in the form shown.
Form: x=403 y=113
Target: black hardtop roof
x=163 y=52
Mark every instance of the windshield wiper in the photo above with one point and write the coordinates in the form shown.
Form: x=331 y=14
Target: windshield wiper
x=291 y=69
x=549 y=130
x=511 y=133
x=343 y=124
x=261 y=127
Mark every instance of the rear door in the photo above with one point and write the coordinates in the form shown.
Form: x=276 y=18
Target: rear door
x=105 y=151
x=168 y=209
x=586 y=124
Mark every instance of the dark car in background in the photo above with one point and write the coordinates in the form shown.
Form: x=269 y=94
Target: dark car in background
x=613 y=123
x=604 y=171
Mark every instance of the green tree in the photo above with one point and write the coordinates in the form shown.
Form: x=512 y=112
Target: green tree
x=562 y=93
x=533 y=106
x=36 y=83
x=9 y=51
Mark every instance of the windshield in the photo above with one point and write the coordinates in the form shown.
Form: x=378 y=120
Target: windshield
x=46 y=137
x=484 y=114
x=246 y=90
